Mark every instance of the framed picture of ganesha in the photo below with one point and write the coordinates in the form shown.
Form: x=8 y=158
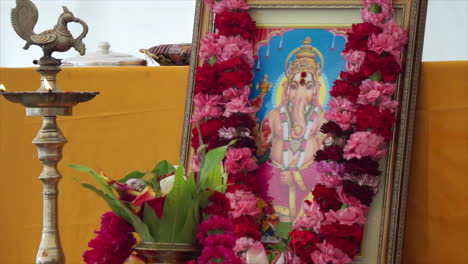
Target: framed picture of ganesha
x=298 y=49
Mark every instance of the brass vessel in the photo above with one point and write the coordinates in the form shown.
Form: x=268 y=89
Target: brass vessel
x=166 y=253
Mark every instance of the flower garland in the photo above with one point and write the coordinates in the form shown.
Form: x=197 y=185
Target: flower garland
x=223 y=112
x=361 y=113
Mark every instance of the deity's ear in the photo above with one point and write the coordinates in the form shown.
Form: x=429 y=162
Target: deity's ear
x=65 y=9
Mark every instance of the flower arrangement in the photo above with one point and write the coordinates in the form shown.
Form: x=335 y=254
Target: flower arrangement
x=361 y=114
x=162 y=206
x=234 y=221
x=237 y=222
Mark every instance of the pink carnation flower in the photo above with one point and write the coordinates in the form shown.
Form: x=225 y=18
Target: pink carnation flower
x=396 y=31
x=330 y=167
x=348 y=216
x=376 y=18
x=229 y=5
x=225 y=48
x=236 y=92
x=236 y=46
x=329 y=180
x=344 y=119
x=327 y=253
x=341 y=103
x=364 y=144
x=238 y=105
x=369 y=97
x=239 y=160
x=384 y=42
x=330 y=173
x=344 y=198
x=209 y=46
x=354 y=60
x=365 y=180
x=243 y=245
x=206 y=106
x=384 y=88
x=243 y=203
x=313 y=218
x=373 y=92
x=387 y=103
x=207 y=111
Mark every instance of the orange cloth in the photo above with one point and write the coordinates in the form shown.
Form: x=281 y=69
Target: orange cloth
x=137 y=120
x=437 y=211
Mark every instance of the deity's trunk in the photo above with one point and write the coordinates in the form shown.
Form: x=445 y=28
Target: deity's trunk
x=299 y=123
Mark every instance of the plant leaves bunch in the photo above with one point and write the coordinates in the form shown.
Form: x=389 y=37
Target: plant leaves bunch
x=181 y=206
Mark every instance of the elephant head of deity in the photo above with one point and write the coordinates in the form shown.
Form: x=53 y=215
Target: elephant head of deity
x=302 y=85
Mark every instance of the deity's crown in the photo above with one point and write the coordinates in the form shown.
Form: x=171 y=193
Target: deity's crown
x=305 y=60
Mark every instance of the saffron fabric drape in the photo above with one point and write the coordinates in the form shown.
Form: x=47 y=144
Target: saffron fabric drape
x=137 y=120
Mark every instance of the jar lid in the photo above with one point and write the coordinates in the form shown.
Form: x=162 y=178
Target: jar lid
x=104 y=57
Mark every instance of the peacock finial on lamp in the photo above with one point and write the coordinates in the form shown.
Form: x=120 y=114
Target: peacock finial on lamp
x=48 y=102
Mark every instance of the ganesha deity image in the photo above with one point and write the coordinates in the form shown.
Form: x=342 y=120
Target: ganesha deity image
x=290 y=133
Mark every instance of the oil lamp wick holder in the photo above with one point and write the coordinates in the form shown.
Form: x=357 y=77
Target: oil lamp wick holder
x=48 y=101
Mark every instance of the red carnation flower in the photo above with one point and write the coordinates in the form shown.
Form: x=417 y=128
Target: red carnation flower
x=327 y=198
x=344 y=237
x=219 y=205
x=206 y=79
x=242 y=142
x=362 y=193
x=331 y=128
x=234 y=24
x=240 y=120
x=384 y=66
x=352 y=78
x=343 y=88
x=245 y=226
x=358 y=36
x=303 y=243
x=233 y=73
x=113 y=243
x=334 y=153
x=236 y=79
x=365 y=165
x=370 y=117
x=209 y=131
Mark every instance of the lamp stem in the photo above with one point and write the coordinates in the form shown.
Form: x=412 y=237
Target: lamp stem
x=49 y=142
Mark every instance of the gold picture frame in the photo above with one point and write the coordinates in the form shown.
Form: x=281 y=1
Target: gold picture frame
x=387 y=212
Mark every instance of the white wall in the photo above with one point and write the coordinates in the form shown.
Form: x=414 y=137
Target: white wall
x=133 y=24
x=128 y=25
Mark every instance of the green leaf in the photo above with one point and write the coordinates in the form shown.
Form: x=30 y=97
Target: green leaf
x=204 y=198
x=155 y=183
x=214 y=178
x=115 y=204
x=163 y=168
x=98 y=178
x=133 y=175
x=151 y=220
x=283 y=229
x=175 y=208
x=212 y=160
